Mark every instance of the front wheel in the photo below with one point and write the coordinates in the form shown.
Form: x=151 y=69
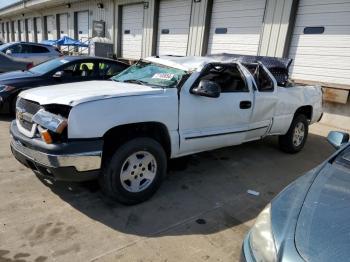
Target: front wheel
x=135 y=171
x=295 y=139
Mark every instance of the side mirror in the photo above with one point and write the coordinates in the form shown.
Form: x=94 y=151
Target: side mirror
x=8 y=52
x=338 y=139
x=58 y=74
x=207 y=88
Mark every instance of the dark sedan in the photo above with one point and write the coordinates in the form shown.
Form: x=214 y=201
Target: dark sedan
x=308 y=220
x=60 y=70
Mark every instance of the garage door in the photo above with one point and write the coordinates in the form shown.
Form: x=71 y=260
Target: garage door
x=132 y=31
x=23 y=33
x=320 y=43
x=50 y=26
x=83 y=26
x=39 y=30
x=174 y=27
x=236 y=26
x=30 y=30
x=63 y=25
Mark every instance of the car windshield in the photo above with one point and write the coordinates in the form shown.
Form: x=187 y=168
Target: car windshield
x=48 y=66
x=147 y=73
x=4 y=46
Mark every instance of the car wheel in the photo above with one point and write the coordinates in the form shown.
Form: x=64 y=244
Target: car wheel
x=135 y=171
x=295 y=139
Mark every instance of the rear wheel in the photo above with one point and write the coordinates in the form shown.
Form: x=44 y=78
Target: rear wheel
x=135 y=171
x=295 y=139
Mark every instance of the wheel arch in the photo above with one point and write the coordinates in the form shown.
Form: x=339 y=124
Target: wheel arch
x=306 y=110
x=117 y=135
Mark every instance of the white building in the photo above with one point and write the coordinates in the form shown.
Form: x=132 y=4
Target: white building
x=315 y=33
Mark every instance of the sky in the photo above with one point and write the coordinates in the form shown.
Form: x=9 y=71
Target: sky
x=4 y=3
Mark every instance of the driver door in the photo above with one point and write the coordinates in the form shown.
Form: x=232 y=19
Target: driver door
x=207 y=123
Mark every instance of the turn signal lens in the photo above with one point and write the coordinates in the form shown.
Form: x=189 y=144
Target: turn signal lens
x=45 y=135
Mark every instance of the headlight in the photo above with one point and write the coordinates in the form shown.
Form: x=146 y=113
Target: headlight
x=262 y=243
x=5 y=88
x=52 y=122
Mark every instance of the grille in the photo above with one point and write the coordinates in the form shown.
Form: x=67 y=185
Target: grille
x=25 y=110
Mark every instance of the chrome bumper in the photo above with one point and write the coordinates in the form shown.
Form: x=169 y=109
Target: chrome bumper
x=86 y=161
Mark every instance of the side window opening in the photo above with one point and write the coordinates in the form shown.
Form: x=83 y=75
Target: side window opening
x=262 y=79
x=228 y=77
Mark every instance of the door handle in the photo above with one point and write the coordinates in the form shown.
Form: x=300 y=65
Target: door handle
x=245 y=104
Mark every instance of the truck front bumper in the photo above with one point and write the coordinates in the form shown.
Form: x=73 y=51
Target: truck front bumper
x=72 y=161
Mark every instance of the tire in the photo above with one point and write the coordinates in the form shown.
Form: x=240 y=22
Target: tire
x=135 y=171
x=293 y=142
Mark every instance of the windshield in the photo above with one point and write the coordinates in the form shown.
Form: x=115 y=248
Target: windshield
x=48 y=66
x=4 y=46
x=147 y=73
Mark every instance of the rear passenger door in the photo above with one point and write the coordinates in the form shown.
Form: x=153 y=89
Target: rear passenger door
x=107 y=70
x=35 y=53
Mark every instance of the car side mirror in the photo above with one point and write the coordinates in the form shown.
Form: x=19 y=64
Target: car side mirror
x=207 y=88
x=338 y=139
x=8 y=52
x=58 y=74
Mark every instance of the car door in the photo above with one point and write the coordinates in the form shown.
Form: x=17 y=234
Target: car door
x=108 y=69
x=265 y=100
x=207 y=123
x=74 y=72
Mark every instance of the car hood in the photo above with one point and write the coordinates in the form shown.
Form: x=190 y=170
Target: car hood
x=16 y=75
x=76 y=93
x=323 y=227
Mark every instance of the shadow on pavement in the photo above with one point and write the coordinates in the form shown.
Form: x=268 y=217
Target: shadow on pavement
x=204 y=195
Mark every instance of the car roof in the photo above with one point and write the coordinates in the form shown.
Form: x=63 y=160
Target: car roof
x=85 y=57
x=29 y=43
x=186 y=63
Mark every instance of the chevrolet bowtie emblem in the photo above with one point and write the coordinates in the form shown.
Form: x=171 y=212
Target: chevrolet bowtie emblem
x=20 y=114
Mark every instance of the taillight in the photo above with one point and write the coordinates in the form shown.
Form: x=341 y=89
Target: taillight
x=29 y=66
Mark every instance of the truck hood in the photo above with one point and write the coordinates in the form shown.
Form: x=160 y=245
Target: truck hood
x=75 y=93
x=323 y=231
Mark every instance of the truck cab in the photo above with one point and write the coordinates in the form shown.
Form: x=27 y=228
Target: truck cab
x=124 y=131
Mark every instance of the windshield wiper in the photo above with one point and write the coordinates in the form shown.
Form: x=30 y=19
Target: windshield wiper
x=135 y=81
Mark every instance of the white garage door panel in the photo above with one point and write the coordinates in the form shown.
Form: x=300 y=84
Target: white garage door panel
x=242 y=21
x=63 y=25
x=30 y=30
x=39 y=30
x=50 y=27
x=132 y=31
x=322 y=57
x=83 y=25
x=174 y=16
x=23 y=33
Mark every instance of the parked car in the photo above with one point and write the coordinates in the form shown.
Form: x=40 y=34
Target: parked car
x=31 y=52
x=308 y=220
x=123 y=131
x=8 y=63
x=57 y=71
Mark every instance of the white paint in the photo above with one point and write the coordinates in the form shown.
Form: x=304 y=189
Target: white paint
x=174 y=17
x=322 y=57
x=243 y=21
x=132 y=31
x=39 y=29
x=108 y=104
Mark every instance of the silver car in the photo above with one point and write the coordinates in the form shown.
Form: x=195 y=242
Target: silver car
x=8 y=63
x=31 y=52
x=308 y=220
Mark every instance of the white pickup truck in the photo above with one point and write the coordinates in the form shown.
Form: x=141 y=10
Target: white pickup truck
x=123 y=131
